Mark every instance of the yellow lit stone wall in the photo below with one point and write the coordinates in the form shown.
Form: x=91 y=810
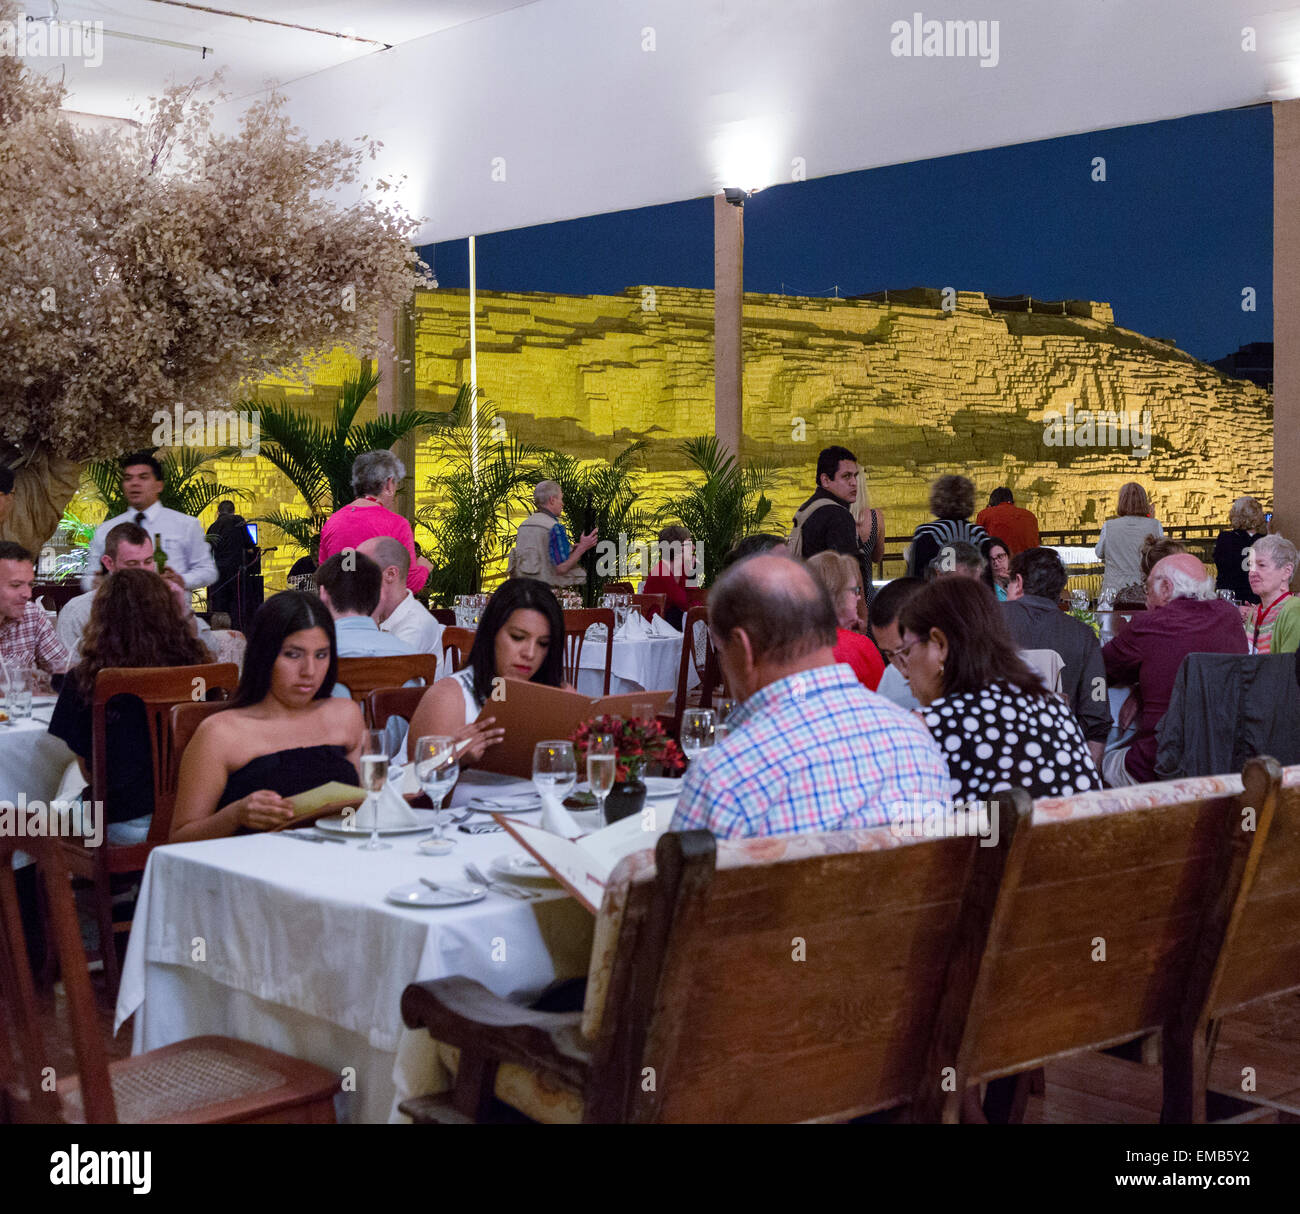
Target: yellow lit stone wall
x=914 y=390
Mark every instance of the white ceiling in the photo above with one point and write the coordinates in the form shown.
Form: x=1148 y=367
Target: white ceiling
x=563 y=96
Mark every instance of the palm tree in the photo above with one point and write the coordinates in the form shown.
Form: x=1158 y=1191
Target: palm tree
x=188 y=486
x=728 y=505
x=317 y=459
x=471 y=523
x=600 y=497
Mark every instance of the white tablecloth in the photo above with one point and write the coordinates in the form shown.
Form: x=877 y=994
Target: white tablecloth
x=32 y=760
x=291 y=945
x=645 y=664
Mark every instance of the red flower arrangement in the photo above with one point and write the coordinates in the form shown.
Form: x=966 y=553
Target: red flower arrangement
x=635 y=742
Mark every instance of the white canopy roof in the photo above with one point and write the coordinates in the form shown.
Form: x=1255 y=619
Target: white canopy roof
x=503 y=115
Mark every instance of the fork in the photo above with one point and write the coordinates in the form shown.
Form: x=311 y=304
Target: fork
x=520 y=895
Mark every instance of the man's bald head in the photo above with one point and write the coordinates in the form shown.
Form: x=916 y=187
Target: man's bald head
x=1179 y=576
x=783 y=610
x=386 y=551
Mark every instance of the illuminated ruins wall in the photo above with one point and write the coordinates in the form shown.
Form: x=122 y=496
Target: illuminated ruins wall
x=916 y=391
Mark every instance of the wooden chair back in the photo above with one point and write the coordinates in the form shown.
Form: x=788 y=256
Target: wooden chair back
x=444 y=615
x=618 y=588
x=362 y=675
x=1109 y=926
x=698 y=655
x=158 y=688
x=1263 y=959
x=185 y=720
x=24 y=1063
x=456 y=644
x=576 y=624
x=650 y=605
x=386 y=702
x=791 y=980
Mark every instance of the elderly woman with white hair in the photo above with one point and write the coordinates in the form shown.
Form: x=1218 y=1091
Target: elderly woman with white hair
x=1274 y=625
x=376 y=476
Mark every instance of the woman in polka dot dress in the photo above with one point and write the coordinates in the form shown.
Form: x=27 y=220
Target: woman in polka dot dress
x=997 y=725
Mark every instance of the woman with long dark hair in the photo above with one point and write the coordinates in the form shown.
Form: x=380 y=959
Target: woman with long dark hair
x=995 y=722
x=521 y=636
x=135 y=620
x=282 y=734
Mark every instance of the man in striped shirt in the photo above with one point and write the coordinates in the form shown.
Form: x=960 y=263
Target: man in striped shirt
x=810 y=748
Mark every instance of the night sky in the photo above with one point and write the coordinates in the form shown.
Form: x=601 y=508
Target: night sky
x=1182 y=223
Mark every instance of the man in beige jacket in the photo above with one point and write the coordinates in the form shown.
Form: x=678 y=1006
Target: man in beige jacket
x=542 y=548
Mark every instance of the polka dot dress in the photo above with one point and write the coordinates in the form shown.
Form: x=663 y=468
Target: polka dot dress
x=1000 y=738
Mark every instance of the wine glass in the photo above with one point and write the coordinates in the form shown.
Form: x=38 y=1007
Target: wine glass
x=699 y=731
x=602 y=763
x=374 y=775
x=724 y=706
x=437 y=767
x=555 y=770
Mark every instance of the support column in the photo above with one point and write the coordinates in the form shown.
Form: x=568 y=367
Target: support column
x=396 y=392
x=1286 y=318
x=728 y=306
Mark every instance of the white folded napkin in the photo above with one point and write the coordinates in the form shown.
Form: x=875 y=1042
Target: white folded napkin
x=393 y=809
x=634 y=628
x=660 y=627
x=558 y=820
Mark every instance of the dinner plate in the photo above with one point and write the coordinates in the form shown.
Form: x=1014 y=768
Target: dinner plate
x=519 y=864
x=452 y=893
x=358 y=829
x=657 y=787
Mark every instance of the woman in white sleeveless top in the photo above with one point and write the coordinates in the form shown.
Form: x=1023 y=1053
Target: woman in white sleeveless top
x=521 y=636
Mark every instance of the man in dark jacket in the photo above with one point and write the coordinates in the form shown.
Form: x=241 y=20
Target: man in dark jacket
x=1036 y=622
x=825 y=521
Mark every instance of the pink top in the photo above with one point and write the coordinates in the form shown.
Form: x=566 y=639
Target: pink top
x=353 y=524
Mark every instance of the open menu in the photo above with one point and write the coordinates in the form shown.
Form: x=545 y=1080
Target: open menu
x=532 y=712
x=321 y=800
x=583 y=866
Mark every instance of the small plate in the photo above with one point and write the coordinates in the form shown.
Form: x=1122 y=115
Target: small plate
x=657 y=787
x=513 y=865
x=419 y=894
x=356 y=830
x=524 y=804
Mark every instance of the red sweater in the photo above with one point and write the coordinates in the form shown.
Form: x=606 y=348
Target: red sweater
x=661 y=581
x=859 y=652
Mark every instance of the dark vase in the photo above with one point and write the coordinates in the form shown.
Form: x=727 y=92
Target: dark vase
x=624 y=800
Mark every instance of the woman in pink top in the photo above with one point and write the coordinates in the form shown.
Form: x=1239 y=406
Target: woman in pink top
x=375 y=477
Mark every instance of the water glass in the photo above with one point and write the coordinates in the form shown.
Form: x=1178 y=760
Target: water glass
x=374 y=776
x=602 y=766
x=437 y=767
x=555 y=770
x=699 y=731
x=724 y=706
x=1228 y=597
x=21 y=683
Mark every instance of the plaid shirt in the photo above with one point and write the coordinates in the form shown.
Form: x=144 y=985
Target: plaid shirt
x=815 y=751
x=32 y=641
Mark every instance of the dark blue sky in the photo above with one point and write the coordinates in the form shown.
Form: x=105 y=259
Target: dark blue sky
x=1182 y=223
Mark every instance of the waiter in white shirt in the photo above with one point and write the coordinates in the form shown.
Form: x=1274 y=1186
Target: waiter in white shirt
x=189 y=555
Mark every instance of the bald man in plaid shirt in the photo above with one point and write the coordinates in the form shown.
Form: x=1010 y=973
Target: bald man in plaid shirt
x=810 y=748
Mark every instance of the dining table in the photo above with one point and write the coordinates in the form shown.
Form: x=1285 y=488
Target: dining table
x=293 y=945
x=646 y=657
x=33 y=762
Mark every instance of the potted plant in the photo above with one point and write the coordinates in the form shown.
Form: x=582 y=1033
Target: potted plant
x=636 y=743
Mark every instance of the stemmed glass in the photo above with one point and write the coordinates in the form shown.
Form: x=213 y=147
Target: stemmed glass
x=602 y=763
x=699 y=731
x=374 y=775
x=437 y=767
x=724 y=706
x=555 y=770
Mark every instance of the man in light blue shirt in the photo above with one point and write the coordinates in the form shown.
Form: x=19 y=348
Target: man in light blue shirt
x=349 y=584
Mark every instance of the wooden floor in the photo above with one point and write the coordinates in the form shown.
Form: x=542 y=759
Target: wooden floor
x=1086 y=1088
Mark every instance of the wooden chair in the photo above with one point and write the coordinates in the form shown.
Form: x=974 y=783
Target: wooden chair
x=618 y=588
x=444 y=615
x=185 y=720
x=576 y=624
x=386 y=702
x=239 y=1082
x=456 y=644
x=650 y=605
x=1262 y=961
x=362 y=675
x=1108 y=927
x=157 y=688
x=770 y=980
x=699 y=655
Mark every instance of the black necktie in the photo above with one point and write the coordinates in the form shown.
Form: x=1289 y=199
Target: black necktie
x=139 y=518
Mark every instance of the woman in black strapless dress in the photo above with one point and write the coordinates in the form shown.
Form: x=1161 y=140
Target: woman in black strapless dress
x=283 y=733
